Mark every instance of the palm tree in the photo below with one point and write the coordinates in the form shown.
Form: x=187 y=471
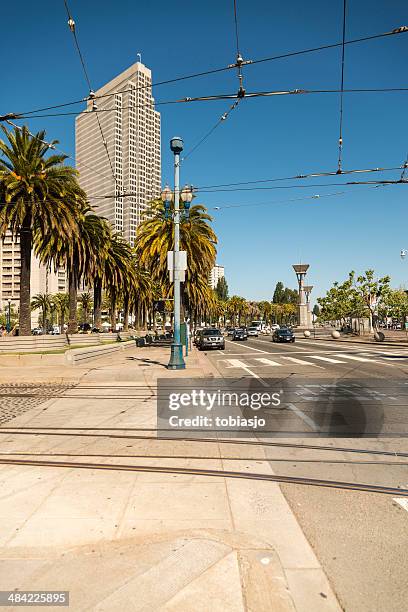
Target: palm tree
x=83 y=255
x=61 y=301
x=38 y=194
x=117 y=269
x=85 y=300
x=155 y=237
x=42 y=301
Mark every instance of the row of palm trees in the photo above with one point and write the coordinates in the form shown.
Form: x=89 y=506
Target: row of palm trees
x=237 y=310
x=43 y=206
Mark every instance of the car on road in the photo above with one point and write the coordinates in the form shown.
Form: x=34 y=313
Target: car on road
x=210 y=338
x=283 y=335
x=253 y=331
x=274 y=327
x=240 y=334
x=230 y=331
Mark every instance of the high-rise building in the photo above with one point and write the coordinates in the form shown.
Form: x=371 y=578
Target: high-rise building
x=131 y=130
x=42 y=280
x=216 y=273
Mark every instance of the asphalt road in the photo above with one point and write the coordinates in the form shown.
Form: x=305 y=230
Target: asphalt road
x=360 y=538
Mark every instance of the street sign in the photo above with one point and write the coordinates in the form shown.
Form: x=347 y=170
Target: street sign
x=179 y=262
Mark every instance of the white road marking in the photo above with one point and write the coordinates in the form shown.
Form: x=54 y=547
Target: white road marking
x=325 y=359
x=267 y=361
x=236 y=363
x=301 y=362
x=251 y=348
x=402 y=501
x=354 y=358
x=303 y=416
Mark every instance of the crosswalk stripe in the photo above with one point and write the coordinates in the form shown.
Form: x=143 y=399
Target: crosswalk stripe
x=236 y=363
x=354 y=358
x=300 y=361
x=325 y=359
x=267 y=361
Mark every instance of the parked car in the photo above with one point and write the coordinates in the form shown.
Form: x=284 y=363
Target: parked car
x=55 y=330
x=253 y=331
x=210 y=338
x=37 y=331
x=274 y=327
x=283 y=335
x=240 y=334
x=84 y=328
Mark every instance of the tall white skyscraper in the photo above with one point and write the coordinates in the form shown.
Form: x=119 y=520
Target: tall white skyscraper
x=131 y=129
x=216 y=273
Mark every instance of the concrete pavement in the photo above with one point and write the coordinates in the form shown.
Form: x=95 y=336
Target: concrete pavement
x=359 y=539
x=142 y=541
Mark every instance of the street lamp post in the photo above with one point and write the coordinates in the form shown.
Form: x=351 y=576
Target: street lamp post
x=176 y=356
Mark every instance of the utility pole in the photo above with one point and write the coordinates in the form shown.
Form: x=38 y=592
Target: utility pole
x=176 y=357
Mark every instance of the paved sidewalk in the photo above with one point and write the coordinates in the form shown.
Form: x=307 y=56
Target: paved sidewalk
x=123 y=540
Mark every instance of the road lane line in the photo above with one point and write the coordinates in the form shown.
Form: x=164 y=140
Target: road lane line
x=251 y=348
x=325 y=359
x=304 y=417
x=267 y=361
x=301 y=362
x=236 y=363
x=354 y=358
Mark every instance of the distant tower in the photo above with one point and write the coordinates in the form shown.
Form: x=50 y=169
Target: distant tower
x=304 y=314
x=131 y=127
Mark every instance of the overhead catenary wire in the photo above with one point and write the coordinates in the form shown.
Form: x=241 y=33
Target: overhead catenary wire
x=221 y=120
x=53 y=147
x=212 y=98
x=396 y=31
x=339 y=161
x=72 y=27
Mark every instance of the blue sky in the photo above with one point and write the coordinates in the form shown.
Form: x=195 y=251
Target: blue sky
x=263 y=138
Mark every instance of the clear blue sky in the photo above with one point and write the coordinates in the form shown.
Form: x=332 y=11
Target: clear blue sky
x=263 y=138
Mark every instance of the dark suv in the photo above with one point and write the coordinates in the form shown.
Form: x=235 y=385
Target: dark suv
x=210 y=338
x=283 y=335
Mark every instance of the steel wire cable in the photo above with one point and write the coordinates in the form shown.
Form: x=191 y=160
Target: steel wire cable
x=396 y=31
x=339 y=162
x=72 y=28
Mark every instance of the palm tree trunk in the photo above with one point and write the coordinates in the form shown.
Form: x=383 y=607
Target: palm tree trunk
x=73 y=290
x=25 y=274
x=98 y=303
x=44 y=318
x=113 y=313
x=126 y=312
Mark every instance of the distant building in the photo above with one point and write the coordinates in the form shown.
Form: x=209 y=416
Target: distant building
x=131 y=128
x=216 y=273
x=42 y=280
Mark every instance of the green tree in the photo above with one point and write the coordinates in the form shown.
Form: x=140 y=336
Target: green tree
x=278 y=294
x=38 y=195
x=85 y=299
x=316 y=310
x=61 y=301
x=42 y=301
x=371 y=292
x=222 y=289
